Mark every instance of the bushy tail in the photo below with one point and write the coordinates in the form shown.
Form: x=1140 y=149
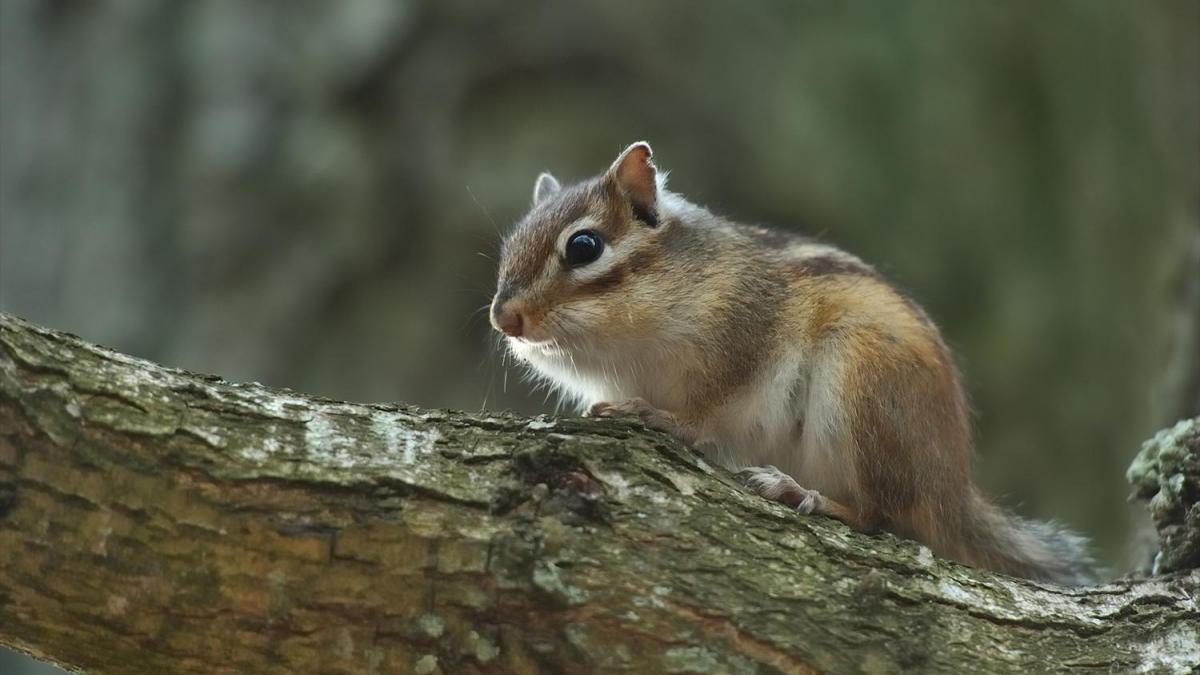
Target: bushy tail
x=1003 y=542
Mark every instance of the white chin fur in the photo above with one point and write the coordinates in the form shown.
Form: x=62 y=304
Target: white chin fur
x=562 y=371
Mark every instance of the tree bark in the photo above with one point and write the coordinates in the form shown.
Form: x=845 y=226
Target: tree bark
x=154 y=520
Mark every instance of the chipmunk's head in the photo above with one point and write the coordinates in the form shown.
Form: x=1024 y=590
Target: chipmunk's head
x=576 y=269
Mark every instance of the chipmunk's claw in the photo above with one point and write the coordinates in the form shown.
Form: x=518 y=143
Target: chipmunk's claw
x=634 y=407
x=601 y=409
x=641 y=409
x=771 y=483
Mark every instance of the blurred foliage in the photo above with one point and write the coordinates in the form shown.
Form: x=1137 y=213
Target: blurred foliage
x=306 y=193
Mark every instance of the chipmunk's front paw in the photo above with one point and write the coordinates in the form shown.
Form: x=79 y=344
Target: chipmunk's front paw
x=770 y=482
x=651 y=417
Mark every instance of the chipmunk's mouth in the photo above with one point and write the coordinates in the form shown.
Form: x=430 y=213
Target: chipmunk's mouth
x=523 y=346
x=544 y=343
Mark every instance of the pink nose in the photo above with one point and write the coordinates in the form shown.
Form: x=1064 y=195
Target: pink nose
x=508 y=320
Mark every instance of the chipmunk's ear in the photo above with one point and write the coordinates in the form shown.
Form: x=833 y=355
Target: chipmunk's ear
x=635 y=174
x=545 y=186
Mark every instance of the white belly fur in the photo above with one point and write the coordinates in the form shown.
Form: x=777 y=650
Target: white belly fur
x=790 y=416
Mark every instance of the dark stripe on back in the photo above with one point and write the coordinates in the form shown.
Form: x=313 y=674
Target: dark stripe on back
x=826 y=265
x=774 y=239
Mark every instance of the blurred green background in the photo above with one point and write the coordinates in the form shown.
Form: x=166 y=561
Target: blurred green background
x=303 y=193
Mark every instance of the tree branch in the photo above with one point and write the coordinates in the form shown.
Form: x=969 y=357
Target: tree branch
x=153 y=520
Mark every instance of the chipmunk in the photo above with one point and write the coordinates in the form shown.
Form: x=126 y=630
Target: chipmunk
x=781 y=358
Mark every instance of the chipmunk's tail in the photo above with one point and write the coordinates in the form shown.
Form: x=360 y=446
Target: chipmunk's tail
x=1000 y=541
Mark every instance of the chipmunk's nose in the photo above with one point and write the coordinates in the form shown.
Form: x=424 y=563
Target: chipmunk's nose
x=508 y=321
x=506 y=317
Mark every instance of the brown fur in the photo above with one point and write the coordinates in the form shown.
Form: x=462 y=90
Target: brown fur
x=683 y=327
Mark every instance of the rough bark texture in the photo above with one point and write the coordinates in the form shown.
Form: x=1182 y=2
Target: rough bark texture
x=153 y=520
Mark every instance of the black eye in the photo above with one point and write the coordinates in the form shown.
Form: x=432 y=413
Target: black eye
x=583 y=247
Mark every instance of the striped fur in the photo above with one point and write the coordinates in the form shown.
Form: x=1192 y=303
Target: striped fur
x=763 y=349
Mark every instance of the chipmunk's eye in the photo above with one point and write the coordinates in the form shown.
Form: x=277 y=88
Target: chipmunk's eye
x=583 y=247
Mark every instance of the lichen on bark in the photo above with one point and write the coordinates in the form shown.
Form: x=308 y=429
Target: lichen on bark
x=1166 y=475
